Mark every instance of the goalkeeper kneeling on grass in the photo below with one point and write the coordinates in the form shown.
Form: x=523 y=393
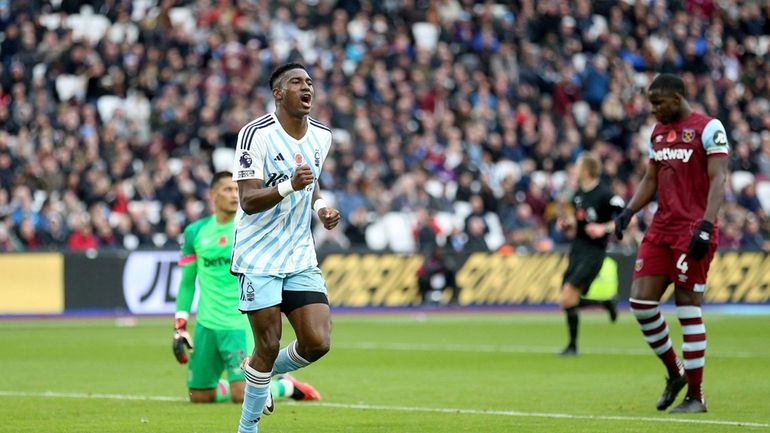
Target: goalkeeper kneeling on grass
x=223 y=337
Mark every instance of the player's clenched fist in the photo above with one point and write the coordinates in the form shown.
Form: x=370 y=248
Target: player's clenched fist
x=329 y=216
x=182 y=339
x=303 y=177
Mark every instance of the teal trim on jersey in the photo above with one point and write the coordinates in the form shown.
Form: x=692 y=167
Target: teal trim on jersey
x=212 y=242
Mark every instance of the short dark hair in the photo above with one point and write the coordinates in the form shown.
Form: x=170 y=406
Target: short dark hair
x=276 y=75
x=668 y=83
x=218 y=176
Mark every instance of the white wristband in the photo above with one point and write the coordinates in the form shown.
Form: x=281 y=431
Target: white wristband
x=285 y=188
x=182 y=315
x=319 y=204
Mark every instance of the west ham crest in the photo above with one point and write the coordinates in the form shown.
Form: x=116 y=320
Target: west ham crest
x=688 y=135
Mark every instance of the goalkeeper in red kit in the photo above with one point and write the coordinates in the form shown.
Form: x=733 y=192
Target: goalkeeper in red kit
x=687 y=169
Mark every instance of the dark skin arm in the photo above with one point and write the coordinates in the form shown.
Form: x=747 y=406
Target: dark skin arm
x=646 y=189
x=255 y=199
x=717 y=172
x=329 y=217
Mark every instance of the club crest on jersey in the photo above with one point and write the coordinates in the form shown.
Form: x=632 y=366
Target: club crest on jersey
x=245 y=160
x=638 y=265
x=222 y=241
x=671 y=137
x=298 y=159
x=688 y=135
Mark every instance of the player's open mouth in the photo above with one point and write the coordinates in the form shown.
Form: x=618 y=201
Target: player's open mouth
x=306 y=99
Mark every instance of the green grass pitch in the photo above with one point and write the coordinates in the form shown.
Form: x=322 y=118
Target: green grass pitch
x=406 y=373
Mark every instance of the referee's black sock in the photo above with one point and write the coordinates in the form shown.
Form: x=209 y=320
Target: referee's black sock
x=588 y=302
x=572 y=323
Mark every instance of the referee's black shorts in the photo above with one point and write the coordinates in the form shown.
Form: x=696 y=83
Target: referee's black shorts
x=583 y=267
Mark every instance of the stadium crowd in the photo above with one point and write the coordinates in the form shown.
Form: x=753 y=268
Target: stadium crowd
x=456 y=122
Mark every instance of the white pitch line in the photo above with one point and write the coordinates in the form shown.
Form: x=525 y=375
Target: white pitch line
x=362 y=406
x=493 y=348
x=512 y=413
x=88 y=395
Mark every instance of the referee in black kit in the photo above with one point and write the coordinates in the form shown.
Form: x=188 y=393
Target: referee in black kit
x=595 y=206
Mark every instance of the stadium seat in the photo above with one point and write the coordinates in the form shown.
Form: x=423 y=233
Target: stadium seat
x=540 y=178
x=106 y=106
x=739 y=179
x=426 y=35
x=398 y=229
x=183 y=17
x=70 y=86
x=559 y=180
x=495 y=238
x=580 y=110
x=222 y=158
x=148 y=209
x=462 y=209
x=434 y=187
x=446 y=222
x=376 y=239
x=87 y=24
x=506 y=168
x=763 y=194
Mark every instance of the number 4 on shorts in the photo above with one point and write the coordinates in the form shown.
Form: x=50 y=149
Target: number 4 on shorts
x=681 y=264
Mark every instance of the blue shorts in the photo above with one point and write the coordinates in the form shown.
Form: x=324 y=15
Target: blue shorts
x=262 y=291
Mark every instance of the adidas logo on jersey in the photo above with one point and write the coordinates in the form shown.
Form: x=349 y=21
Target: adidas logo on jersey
x=279 y=157
x=668 y=154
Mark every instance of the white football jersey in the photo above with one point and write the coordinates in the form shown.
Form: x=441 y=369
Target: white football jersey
x=278 y=240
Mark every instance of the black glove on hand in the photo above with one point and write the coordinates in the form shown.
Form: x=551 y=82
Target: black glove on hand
x=182 y=339
x=701 y=240
x=622 y=221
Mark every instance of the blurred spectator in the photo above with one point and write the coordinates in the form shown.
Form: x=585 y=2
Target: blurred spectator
x=82 y=237
x=8 y=241
x=434 y=276
x=475 y=229
x=752 y=239
x=27 y=235
x=425 y=230
x=432 y=103
x=355 y=229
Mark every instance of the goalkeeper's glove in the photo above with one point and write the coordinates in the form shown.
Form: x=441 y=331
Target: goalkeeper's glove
x=701 y=240
x=622 y=221
x=182 y=338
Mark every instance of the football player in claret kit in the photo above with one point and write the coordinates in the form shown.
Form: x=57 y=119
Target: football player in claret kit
x=687 y=168
x=278 y=158
x=595 y=206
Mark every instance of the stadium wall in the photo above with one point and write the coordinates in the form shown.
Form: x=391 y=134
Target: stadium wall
x=146 y=282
